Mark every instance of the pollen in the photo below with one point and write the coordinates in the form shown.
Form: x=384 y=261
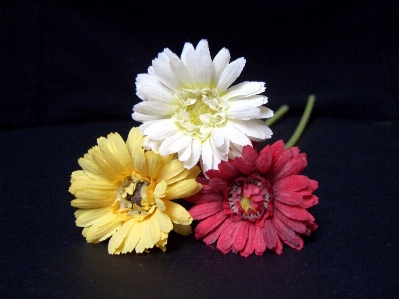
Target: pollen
x=246 y=204
x=196 y=110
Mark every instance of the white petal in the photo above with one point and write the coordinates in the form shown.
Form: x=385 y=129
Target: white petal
x=251 y=101
x=237 y=112
x=181 y=72
x=218 y=137
x=206 y=156
x=265 y=112
x=203 y=48
x=217 y=154
x=230 y=74
x=186 y=48
x=137 y=116
x=151 y=144
x=185 y=152
x=153 y=108
x=164 y=72
x=220 y=62
x=164 y=149
x=220 y=141
x=180 y=143
x=244 y=89
x=150 y=88
x=235 y=151
x=200 y=68
x=235 y=135
x=196 y=147
x=253 y=128
x=161 y=129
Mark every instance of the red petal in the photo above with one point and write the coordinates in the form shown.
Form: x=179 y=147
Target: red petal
x=205 y=210
x=309 y=201
x=226 y=238
x=212 y=236
x=249 y=246
x=227 y=171
x=279 y=164
x=209 y=224
x=288 y=236
x=241 y=236
x=293 y=225
x=218 y=185
x=294 y=212
x=289 y=197
x=263 y=162
x=292 y=183
x=259 y=241
x=270 y=235
x=293 y=166
x=247 y=163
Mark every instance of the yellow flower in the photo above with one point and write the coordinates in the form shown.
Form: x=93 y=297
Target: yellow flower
x=126 y=193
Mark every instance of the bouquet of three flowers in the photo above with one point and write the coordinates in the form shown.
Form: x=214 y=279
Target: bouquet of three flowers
x=195 y=143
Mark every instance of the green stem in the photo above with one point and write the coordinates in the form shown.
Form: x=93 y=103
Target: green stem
x=302 y=123
x=277 y=115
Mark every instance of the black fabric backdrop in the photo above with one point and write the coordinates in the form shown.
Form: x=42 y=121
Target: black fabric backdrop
x=68 y=72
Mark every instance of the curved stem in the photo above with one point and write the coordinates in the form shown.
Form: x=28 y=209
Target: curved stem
x=277 y=115
x=302 y=123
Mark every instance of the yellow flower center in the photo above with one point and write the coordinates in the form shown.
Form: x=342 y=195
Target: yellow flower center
x=198 y=111
x=246 y=204
x=135 y=197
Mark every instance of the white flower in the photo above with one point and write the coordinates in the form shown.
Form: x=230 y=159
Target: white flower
x=189 y=109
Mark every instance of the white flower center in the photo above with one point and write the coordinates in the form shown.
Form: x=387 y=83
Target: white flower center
x=199 y=111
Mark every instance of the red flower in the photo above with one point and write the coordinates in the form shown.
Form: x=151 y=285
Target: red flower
x=256 y=201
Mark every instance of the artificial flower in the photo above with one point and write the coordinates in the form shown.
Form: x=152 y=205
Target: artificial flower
x=126 y=193
x=190 y=109
x=256 y=201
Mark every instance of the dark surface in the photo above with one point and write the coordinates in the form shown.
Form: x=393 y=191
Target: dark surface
x=353 y=254
x=68 y=71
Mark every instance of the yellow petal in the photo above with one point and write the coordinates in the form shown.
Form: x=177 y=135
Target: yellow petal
x=91 y=203
x=147 y=231
x=163 y=221
x=117 y=241
x=170 y=170
x=182 y=229
x=134 y=141
x=88 y=217
x=103 y=228
x=112 y=160
x=185 y=174
x=94 y=170
x=152 y=164
x=133 y=236
x=153 y=231
x=177 y=213
x=182 y=189
x=120 y=150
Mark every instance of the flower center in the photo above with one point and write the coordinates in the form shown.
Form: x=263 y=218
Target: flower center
x=198 y=111
x=250 y=198
x=132 y=197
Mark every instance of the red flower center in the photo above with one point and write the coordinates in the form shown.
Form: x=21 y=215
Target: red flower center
x=250 y=198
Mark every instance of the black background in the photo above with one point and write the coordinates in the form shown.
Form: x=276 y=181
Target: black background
x=68 y=73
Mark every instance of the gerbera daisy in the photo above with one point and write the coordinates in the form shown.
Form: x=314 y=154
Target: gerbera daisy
x=126 y=193
x=188 y=107
x=256 y=201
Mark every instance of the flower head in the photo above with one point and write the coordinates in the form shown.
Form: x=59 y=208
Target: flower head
x=126 y=193
x=190 y=109
x=256 y=201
